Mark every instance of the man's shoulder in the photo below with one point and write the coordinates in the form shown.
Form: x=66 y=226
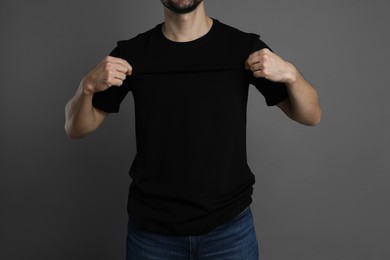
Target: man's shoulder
x=237 y=39
x=140 y=38
x=231 y=30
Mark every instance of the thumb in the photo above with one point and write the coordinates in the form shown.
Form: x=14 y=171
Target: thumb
x=129 y=68
x=247 y=66
x=129 y=71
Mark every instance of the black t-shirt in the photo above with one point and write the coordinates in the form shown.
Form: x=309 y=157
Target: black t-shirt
x=190 y=172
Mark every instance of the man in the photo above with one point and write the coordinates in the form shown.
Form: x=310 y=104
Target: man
x=191 y=185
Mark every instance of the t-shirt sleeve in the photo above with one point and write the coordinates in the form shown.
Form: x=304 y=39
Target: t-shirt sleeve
x=110 y=99
x=273 y=92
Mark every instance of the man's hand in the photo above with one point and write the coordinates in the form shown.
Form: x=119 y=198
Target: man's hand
x=111 y=71
x=302 y=104
x=266 y=64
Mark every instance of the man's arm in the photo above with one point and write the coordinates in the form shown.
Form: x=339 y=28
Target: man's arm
x=302 y=104
x=81 y=117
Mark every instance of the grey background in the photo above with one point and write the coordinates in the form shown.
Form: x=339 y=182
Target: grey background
x=321 y=193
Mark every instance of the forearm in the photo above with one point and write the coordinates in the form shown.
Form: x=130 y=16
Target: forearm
x=302 y=104
x=80 y=115
x=303 y=101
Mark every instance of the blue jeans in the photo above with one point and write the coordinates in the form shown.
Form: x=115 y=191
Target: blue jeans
x=233 y=240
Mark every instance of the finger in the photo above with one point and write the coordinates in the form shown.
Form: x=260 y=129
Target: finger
x=257 y=66
x=264 y=73
x=259 y=55
x=120 y=68
x=247 y=66
x=256 y=53
x=116 y=82
x=129 y=67
x=255 y=59
x=124 y=63
x=119 y=75
x=265 y=51
x=259 y=74
x=113 y=78
x=251 y=60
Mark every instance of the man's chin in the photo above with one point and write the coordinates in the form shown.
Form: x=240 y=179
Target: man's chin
x=182 y=10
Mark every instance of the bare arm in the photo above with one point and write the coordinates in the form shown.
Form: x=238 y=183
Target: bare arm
x=302 y=104
x=81 y=117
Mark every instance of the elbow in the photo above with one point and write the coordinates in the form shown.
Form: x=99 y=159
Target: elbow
x=317 y=122
x=313 y=123
x=309 y=117
x=73 y=135
x=317 y=117
x=314 y=120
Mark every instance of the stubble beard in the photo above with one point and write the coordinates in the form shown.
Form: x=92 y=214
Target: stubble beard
x=181 y=6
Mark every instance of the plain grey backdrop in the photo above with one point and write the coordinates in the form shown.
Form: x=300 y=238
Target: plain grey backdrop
x=321 y=192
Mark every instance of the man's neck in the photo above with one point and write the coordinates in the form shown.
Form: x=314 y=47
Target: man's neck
x=186 y=27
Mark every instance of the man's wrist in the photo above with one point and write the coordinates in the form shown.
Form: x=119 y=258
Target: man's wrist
x=293 y=75
x=86 y=88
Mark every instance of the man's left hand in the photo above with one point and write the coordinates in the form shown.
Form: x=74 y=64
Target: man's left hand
x=266 y=64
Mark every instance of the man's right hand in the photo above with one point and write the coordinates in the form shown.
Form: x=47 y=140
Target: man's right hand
x=111 y=71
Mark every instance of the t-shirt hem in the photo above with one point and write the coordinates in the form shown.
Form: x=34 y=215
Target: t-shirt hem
x=200 y=231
